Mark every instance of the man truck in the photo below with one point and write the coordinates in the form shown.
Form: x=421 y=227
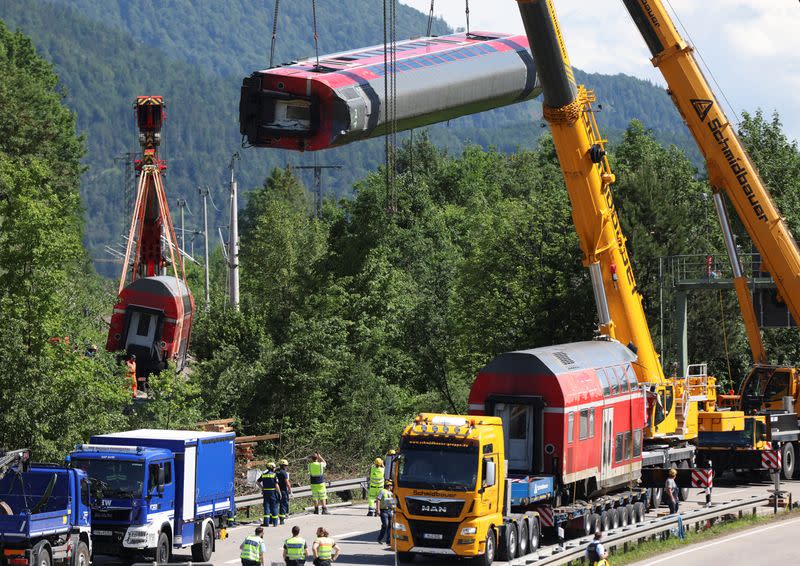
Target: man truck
x=158 y=490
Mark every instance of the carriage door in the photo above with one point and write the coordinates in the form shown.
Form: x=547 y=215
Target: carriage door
x=608 y=441
x=518 y=434
x=141 y=329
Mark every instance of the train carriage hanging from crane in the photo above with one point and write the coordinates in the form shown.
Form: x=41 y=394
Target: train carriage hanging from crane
x=308 y=106
x=152 y=318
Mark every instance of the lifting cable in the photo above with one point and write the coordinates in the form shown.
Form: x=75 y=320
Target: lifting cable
x=390 y=97
x=466 y=11
x=430 y=20
x=274 y=33
x=316 y=38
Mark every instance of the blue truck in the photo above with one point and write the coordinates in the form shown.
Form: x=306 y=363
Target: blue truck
x=45 y=516
x=158 y=490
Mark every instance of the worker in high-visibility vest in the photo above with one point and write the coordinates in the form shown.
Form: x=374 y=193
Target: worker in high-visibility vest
x=375 y=484
x=325 y=549
x=386 y=506
x=285 y=487
x=295 y=550
x=131 y=363
x=254 y=550
x=270 y=494
x=319 y=495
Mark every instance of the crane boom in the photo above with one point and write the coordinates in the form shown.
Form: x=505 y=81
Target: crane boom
x=588 y=179
x=729 y=167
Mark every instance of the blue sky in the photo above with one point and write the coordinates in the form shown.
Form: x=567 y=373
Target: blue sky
x=752 y=47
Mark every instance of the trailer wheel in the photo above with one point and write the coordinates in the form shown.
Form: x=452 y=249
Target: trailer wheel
x=43 y=558
x=406 y=557
x=788 y=465
x=597 y=523
x=639 y=511
x=201 y=552
x=534 y=534
x=163 y=548
x=622 y=513
x=491 y=546
x=613 y=518
x=524 y=539
x=82 y=558
x=605 y=520
x=508 y=550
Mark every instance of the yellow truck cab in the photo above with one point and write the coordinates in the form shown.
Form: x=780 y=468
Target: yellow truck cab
x=451 y=490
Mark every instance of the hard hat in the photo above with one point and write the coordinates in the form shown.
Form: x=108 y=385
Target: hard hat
x=388 y=483
x=284 y=462
x=378 y=462
x=392 y=452
x=270 y=465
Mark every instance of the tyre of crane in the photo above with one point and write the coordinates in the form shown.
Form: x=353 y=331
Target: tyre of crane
x=683 y=493
x=510 y=545
x=534 y=534
x=524 y=539
x=656 y=494
x=639 y=511
x=788 y=463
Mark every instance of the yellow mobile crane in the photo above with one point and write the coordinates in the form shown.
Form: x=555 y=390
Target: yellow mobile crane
x=730 y=171
x=567 y=108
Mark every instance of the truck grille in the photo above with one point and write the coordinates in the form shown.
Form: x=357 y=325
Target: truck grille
x=115 y=515
x=428 y=507
x=433 y=534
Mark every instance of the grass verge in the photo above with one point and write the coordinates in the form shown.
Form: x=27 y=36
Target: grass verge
x=652 y=548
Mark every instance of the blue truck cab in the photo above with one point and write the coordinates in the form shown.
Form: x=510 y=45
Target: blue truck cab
x=45 y=517
x=158 y=490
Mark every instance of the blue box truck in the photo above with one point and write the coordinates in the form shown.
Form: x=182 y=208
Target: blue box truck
x=158 y=490
x=44 y=516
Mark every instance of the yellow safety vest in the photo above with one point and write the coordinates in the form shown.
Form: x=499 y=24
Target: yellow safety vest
x=386 y=498
x=316 y=471
x=325 y=548
x=295 y=548
x=251 y=550
x=376 y=476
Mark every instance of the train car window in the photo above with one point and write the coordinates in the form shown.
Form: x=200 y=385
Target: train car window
x=637 y=443
x=628 y=445
x=612 y=380
x=623 y=381
x=143 y=328
x=570 y=426
x=631 y=375
x=426 y=61
x=618 y=447
x=447 y=57
x=414 y=63
x=583 y=426
x=591 y=422
x=604 y=382
x=458 y=55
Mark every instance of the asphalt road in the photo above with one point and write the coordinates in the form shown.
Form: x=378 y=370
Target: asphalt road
x=356 y=534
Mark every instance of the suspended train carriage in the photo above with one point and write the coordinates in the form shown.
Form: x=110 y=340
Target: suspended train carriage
x=304 y=106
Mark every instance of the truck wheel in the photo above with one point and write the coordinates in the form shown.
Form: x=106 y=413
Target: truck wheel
x=788 y=466
x=605 y=520
x=201 y=552
x=406 y=557
x=639 y=511
x=524 y=539
x=491 y=546
x=796 y=456
x=43 y=558
x=534 y=534
x=82 y=558
x=613 y=519
x=622 y=513
x=163 y=549
x=655 y=497
x=508 y=550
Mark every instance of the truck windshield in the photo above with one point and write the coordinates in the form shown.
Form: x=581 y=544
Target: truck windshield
x=113 y=478
x=427 y=465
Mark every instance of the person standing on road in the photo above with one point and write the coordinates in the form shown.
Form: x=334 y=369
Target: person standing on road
x=270 y=494
x=325 y=549
x=671 y=489
x=254 y=549
x=295 y=550
x=316 y=469
x=285 y=487
x=596 y=553
x=376 y=472
x=386 y=512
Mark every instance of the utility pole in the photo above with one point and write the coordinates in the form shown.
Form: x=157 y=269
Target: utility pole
x=205 y=192
x=233 y=237
x=317 y=182
x=182 y=207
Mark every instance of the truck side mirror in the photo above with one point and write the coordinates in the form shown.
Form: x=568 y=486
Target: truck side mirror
x=489 y=473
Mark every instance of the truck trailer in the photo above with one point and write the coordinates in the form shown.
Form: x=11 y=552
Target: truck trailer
x=158 y=490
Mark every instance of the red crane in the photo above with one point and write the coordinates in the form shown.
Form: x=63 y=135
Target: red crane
x=152 y=319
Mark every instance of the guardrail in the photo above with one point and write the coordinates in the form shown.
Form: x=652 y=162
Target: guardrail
x=244 y=501
x=633 y=534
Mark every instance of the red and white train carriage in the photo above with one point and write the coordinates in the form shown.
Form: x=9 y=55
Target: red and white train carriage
x=573 y=411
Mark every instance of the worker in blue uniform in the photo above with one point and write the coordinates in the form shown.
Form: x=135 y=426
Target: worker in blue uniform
x=285 y=488
x=271 y=495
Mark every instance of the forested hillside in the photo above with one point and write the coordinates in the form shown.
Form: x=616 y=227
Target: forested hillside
x=108 y=51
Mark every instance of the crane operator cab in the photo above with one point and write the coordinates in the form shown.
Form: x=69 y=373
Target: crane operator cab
x=765 y=388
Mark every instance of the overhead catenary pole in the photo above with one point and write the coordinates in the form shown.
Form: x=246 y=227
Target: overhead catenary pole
x=182 y=207
x=204 y=192
x=233 y=243
x=318 y=196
